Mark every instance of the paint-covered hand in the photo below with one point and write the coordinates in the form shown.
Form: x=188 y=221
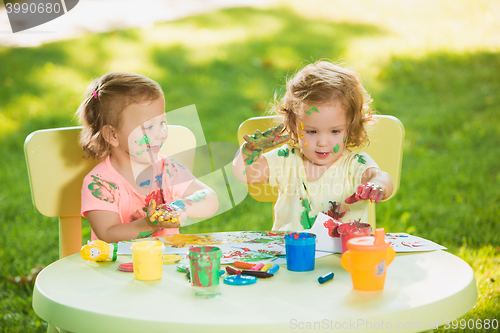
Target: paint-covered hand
x=367 y=191
x=166 y=215
x=259 y=142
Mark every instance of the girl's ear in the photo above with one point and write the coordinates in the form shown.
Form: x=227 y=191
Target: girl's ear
x=109 y=134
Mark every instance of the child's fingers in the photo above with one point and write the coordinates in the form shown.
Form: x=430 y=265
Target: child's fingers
x=282 y=139
x=374 y=194
x=352 y=199
x=380 y=196
x=364 y=191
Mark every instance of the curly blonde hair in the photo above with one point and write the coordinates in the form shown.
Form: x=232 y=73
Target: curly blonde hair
x=322 y=82
x=105 y=99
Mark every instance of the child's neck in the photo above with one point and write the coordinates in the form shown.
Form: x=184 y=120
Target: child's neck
x=313 y=171
x=132 y=172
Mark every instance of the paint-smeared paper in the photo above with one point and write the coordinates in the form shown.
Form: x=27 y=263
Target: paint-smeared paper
x=322 y=228
x=400 y=242
x=244 y=245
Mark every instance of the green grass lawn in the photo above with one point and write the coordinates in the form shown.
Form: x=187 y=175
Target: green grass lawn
x=433 y=64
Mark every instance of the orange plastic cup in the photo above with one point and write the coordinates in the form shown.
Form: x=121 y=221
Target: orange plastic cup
x=367 y=259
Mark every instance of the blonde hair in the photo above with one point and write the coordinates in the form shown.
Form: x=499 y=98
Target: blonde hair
x=323 y=82
x=104 y=102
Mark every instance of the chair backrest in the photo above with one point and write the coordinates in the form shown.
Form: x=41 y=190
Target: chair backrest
x=56 y=168
x=386 y=148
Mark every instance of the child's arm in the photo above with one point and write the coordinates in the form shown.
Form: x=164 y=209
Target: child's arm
x=199 y=201
x=248 y=167
x=107 y=226
x=376 y=186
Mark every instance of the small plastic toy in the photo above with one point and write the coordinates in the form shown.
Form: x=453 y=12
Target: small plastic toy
x=99 y=250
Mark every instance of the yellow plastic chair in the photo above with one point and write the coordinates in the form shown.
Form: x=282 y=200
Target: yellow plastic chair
x=56 y=168
x=386 y=148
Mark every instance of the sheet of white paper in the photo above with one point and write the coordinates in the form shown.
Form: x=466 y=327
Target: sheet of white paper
x=402 y=242
x=324 y=242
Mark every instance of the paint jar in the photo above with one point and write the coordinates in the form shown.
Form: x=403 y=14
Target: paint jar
x=300 y=251
x=204 y=265
x=351 y=230
x=367 y=259
x=148 y=260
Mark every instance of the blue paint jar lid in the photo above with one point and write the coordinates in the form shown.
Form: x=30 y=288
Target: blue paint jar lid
x=240 y=280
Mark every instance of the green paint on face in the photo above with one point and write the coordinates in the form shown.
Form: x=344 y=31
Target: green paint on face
x=336 y=148
x=345 y=139
x=313 y=108
x=144 y=140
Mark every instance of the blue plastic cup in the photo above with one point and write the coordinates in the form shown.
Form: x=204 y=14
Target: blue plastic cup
x=300 y=251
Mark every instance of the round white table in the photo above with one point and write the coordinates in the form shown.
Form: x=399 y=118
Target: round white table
x=422 y=291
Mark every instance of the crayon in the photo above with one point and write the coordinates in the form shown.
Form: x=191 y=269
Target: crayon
x=244 y=265
x=325 y=278
x=258 y=274
x=232 y=271
x=257 y=267
x=188 y=275
x=274 y=268
x=266 y=267
x=222 y=272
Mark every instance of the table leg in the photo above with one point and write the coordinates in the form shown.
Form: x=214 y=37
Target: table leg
x=53 y=329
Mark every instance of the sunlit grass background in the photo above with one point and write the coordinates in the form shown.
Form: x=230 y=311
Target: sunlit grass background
x=433 y=64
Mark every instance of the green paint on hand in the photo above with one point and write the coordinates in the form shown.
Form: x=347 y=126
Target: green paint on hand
x=140 y=152
x=313 y=108
x=252 y=157
x=336 y=148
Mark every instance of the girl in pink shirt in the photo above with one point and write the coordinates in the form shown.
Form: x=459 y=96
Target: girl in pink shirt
x=134 y=192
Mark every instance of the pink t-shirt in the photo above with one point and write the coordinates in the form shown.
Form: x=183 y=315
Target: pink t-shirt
x=105 y=189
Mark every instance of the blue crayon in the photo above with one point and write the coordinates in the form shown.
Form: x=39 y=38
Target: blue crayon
x=273 y=269
x=222 y=272
x=325 y=278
